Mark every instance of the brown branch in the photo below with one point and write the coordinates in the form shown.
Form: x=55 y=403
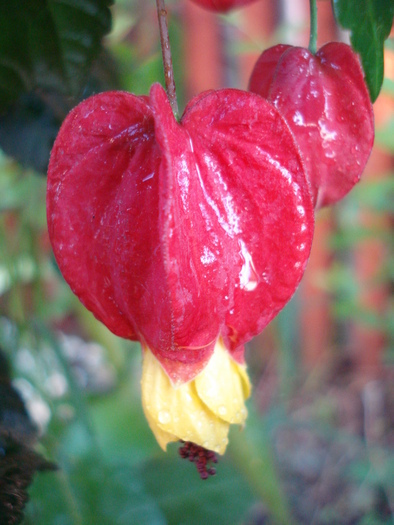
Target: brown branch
x=167 y=59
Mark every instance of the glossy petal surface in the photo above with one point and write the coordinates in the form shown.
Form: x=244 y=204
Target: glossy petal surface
x=177 y=233
x=223 y=386
x=100 y=141
x=251 y=185
x=222 y=6
x=326 y=103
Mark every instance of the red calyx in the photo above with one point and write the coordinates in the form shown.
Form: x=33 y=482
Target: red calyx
x=222 y=6
x=172 y=233
x=326 y=103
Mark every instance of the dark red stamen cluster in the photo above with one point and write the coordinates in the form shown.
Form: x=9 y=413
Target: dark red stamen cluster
x=200 y=456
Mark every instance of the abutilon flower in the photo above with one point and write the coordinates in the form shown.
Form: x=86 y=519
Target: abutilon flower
x=326 y=103
x=188 y=237
x=222 y=6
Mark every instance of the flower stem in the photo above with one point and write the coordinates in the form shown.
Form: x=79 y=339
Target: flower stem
x=167 y=59
x=313 y=26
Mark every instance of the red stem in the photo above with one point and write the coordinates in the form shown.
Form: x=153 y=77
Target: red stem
x=167 y=59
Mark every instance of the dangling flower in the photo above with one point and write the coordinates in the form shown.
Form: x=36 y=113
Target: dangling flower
x=188 y=237
x=222 y=6
x=326 y=103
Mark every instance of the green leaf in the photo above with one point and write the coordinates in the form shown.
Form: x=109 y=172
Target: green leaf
x=29 y=126
x=49 y=45
x=28 y=130
x=369 y=22
x=92 y=491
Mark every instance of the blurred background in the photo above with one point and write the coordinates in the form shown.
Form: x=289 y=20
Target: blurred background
x=318 y=444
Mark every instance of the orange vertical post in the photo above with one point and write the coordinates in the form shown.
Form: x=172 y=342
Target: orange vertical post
x=257 y=23
x=203 y=50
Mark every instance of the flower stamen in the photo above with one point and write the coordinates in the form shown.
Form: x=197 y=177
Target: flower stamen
x=200 y=456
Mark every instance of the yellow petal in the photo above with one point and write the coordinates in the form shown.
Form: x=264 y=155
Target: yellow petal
x=175 y=413
x=223 y=386
x=162 y=437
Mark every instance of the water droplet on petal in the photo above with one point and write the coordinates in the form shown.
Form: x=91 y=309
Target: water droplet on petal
x=164 y=417
x=248 y=276
x=222 y=410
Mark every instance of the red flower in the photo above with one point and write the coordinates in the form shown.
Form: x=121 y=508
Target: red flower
x=222 y=6
x=325 y=101
x=188 y=237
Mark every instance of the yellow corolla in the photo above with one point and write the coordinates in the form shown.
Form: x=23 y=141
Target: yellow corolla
x=200 y=410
